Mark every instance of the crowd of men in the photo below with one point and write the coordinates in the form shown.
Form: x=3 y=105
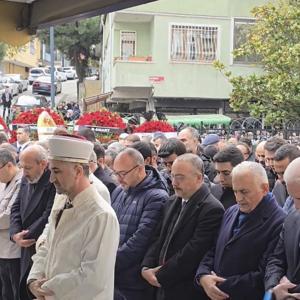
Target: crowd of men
x=151 y=218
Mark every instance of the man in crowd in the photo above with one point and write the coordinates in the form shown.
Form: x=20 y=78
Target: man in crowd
x=102 y=172
x=168 y=152
x=225 y=160
x=270 y=147
x=190 y=137
x=30 y=211
x=158 y=140
x=23 y=139
x=6 y=102
x=99 y=185
x=234 y=268
x=10 y=181
x=260 y=153
x=284 y=155
x=190 y=224
x=130 y=139
x=78 y=257
x=283 y=272
x=138 y=203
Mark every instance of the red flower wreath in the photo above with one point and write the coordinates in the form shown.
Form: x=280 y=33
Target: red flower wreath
x=153 y=126
x=102 y=118
x=31 y=117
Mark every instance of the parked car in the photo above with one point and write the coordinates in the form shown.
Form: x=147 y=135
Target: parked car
x=43 y=85
x=22 y=82
x=70 y=72
x=59 y=73
x=26 y=102
x=8 y=82
x=35 y=73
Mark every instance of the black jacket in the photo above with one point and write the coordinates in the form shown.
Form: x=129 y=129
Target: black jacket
x=190 y=239
x=106 y=178
x=242 y=258
x=30 y=212
x=285 y=261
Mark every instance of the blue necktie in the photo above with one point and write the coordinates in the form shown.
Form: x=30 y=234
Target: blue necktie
x=241 y=220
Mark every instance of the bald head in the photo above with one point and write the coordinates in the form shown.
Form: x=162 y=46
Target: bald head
x=292 y=180
x=260 y=152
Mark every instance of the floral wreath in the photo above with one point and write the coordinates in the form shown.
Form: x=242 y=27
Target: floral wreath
x=153 y=126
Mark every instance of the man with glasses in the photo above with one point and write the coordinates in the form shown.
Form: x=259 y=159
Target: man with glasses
x=270 y=147
x=283 y=157
x=225 y=160
x=10 y=181
x=168 y=152
x=191 y=221
x=138 y=203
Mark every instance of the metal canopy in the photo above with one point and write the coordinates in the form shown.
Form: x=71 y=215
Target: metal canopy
x=196 y=120
x=20 y=18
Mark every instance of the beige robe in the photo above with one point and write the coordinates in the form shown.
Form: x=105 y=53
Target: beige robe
x=8 y=195
x=78 y=257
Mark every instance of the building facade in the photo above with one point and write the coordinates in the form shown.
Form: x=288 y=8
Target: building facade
x=20 y=60
x=160 y=55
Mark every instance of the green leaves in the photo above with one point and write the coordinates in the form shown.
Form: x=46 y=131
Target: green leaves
x=275 y=38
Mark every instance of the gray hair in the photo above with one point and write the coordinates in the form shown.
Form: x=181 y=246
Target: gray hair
x=6 y=156
x=3 y=138
x=194 y=160
x=254 y=168
x=115 y=146
x=292 y=174
x=194 y=132
x=41 y=153
x=134 y=155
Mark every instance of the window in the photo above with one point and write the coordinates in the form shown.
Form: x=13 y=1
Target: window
x=194 y=43
x=32 y=48
x=128 y=44
x=242 y=29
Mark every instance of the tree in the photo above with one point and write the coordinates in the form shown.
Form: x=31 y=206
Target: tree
x=2 y=51
x=275 y=39
x=75 y=40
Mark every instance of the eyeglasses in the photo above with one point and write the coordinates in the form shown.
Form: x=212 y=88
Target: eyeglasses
x=168 y=163
x=122 y=174
x=3 y=166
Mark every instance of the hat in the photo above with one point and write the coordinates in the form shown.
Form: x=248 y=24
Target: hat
x=211 y=139
x=70 y=148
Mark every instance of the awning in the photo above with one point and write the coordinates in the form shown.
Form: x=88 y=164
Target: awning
x=20 y=18
x=196 y=120
x=129 y=93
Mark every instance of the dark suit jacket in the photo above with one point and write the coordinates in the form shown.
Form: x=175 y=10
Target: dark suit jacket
x=30 y=212
x=285 y=261
x=241 y=259
x=106 y=179
x=191 y=238
x=4 y=102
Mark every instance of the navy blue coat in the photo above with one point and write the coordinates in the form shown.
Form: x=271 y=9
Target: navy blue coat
x=30 y=212
x=242 y=259
x=139 y=210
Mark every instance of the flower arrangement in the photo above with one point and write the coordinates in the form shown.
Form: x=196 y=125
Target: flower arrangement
x=31 y=117
x=102 y=118
x=153 y=126
x=3 y=124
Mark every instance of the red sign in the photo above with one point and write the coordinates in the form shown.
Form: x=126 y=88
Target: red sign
x=156 y=79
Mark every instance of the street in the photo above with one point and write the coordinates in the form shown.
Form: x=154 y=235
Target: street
x=68 y=93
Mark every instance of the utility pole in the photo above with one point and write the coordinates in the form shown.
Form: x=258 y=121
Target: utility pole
x=52 y=66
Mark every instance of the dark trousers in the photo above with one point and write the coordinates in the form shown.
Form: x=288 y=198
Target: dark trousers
x=147 y=294
x=9 y=279
x=4 y=109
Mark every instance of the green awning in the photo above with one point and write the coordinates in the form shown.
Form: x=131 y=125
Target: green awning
x=197 y=120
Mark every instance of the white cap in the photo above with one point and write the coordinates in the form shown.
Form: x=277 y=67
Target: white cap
x=70 y=148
